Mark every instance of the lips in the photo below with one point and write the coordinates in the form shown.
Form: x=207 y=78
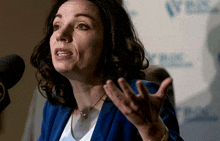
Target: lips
x=62 y=52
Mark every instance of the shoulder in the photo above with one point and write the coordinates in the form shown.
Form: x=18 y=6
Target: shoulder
x=51 y=111
x=54 y=121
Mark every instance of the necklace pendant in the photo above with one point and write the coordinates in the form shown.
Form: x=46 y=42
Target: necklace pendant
x=83 y=114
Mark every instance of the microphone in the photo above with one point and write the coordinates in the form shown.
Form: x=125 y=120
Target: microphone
x=11 y=70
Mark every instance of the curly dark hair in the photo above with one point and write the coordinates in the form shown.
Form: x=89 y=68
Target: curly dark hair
x=123 y=54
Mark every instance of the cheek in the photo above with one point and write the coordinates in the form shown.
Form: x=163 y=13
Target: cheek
x=97 y=42
x=52 y=40
x=94 y=49
x=52 y=43
x=89 y=44
x=99 y=46
x=90 y=51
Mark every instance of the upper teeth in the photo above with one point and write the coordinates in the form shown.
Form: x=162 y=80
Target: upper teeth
x=59 y=53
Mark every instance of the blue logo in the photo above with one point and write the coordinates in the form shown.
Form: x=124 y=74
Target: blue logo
x=197 y=114
x=174 y=7
x=170 y=60
x=190 y=7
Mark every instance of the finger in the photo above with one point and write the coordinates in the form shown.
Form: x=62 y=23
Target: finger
x=127 y=90
x=115 y=94
x=161 y=93
x=113 y=91
x=142 y=89
x=110 y=86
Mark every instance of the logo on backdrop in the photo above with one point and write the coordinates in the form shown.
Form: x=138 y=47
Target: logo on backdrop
x=190 y=7
x=196 y=114
x=170 y=59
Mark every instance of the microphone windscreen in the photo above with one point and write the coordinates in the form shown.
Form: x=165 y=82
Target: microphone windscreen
x=11 y=70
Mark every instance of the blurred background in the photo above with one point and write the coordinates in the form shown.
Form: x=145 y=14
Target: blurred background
x=181 y=36
x=21 y=24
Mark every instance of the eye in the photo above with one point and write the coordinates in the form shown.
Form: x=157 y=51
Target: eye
x=82 y=26
x=56 y=27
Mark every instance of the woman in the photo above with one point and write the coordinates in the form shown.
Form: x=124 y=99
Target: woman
x=88 y=55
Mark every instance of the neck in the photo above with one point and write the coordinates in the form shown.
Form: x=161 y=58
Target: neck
x=88 y=94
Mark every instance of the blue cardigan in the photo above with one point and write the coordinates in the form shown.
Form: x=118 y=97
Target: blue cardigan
x=111 y=125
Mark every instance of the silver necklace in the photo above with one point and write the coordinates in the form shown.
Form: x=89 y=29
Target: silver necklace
x=86 y=111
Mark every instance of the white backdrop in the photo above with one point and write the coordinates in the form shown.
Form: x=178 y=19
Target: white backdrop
x=183 y=36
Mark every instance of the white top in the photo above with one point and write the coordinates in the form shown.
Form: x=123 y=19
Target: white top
x=67 y=136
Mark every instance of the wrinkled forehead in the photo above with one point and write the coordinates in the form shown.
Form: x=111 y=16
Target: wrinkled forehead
x=82 y=6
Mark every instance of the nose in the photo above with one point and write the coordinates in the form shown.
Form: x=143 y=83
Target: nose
x=64 y=34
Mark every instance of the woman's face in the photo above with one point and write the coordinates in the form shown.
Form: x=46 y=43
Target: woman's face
x=77 y=40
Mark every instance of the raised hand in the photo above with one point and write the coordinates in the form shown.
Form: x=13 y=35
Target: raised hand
x=142 y=110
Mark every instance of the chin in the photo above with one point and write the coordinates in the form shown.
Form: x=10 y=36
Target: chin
x=62 y=69
x=67 y=72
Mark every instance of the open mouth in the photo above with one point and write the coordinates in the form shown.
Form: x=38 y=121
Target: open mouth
x=63 y=52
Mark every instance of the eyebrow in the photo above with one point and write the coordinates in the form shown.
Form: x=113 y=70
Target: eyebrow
x=84 y=15
x=76 y=15
x=58 y=15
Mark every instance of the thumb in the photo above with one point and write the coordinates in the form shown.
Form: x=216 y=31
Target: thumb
x=161 y=93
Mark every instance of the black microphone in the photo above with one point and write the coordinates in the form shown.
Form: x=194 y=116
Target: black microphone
x=11 y=70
